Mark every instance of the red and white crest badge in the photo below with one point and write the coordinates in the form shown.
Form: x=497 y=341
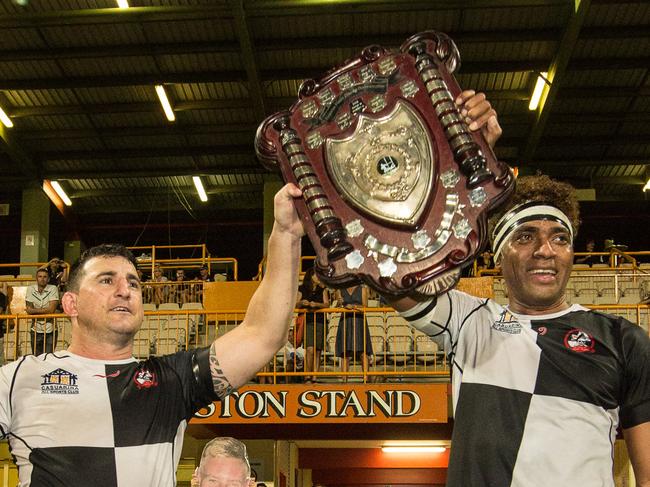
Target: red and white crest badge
x=579 y=341
x=145 y=379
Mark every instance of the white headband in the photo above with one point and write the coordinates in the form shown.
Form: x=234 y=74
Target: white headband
x=526 y=212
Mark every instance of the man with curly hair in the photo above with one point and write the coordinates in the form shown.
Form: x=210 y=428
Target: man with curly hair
x=539 y=386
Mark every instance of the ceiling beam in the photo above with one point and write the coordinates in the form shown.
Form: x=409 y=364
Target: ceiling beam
x=148 y=191
x=121 y=80
x=256 y=168
x=123 y=132
x=306 y=43
x=231 y=150
x=555 y=76
x=137 y=107
x=172 y=205
x=248 y=58
x=628 y=160
x=259 y=9
x=280 y=102
x=91 y=16
x=469 y=67
x=625 y=180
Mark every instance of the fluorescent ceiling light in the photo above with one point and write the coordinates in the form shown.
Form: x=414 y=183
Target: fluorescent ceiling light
x=59 y=190
x=6 y=121
x=413 y=449
x=537 y=92
x=164 y=101
x=199 y=188
x=123 y=3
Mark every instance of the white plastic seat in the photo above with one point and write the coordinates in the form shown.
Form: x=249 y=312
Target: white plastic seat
x=141 y=348
x=166 y=346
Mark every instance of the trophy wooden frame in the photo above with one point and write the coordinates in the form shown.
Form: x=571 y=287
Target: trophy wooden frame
x=396 y=189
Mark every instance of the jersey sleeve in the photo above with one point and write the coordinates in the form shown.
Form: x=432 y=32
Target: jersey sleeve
x=635 y=404
x=7 y=374
x=193 y=371
x=441 y=318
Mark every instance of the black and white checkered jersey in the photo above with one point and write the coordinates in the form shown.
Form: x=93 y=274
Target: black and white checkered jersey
x=537 y=399
x=73 y=421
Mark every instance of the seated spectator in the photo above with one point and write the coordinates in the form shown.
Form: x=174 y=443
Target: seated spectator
x=179 y=291
x=587 y=259
x=40 y=299
x=204 y=274
x=57 y=271
x=484 y=262
x=159 y=293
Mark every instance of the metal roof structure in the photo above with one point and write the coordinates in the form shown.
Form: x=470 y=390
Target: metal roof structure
x=77 y=79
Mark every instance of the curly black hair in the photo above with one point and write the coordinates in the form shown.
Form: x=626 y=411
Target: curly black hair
x=545 y=190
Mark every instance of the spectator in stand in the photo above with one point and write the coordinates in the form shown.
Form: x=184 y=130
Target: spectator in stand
x=40 y=299
x=58 y=271
x=313 y=296
x=158 y=293
x=484 y=262
x=197 y=289
x=588 y=259
x=180 y=290
x=352 y=335
x=204 y=274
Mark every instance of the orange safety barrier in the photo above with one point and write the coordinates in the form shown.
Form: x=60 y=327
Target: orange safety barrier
x=399 y=352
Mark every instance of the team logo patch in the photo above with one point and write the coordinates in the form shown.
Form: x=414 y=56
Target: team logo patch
x=59 y=381
x=579 y=341
x=144 y=379
x=507 y=323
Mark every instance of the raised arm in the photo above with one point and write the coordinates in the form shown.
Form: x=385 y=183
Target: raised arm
x=238 y=355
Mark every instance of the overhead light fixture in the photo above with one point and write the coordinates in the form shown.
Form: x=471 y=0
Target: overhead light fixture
x=542 y=81
x=647 y=186
x=199 y=188
x=4 y=118
x=413 y=449
x=123 y=3
x=164 y=101
x=59 y=190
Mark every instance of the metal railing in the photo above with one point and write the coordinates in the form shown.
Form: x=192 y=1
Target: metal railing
x=395 y=351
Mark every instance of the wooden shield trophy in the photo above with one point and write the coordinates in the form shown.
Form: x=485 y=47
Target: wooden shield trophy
x=396 y=189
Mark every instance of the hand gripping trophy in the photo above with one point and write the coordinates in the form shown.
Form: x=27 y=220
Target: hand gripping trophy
x=396 y=189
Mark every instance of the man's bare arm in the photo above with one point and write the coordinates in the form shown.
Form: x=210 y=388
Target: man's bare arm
x=50 y=309
x=637 y=440
x=238 y=355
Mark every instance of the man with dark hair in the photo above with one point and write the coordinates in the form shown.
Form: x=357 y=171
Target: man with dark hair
x=548 y=382
x=42 y=298
x=94 y=415
x=224 y=461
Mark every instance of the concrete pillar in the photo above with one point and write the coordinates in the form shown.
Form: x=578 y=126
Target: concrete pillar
x=72 y=250
x=35 y=228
